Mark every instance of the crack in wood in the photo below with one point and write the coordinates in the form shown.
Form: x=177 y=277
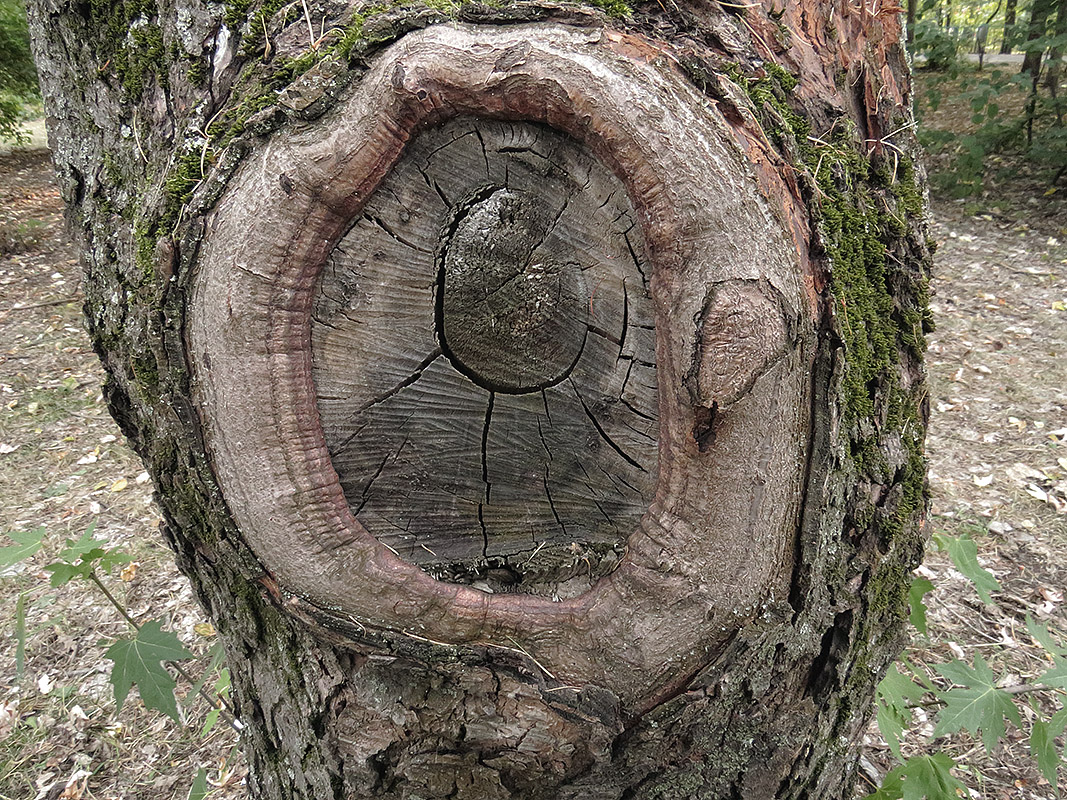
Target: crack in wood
x=381 y=224
x=603 y=434
x=459 y=501
x=414 y=376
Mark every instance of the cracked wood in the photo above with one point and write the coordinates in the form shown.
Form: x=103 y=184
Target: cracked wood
x=483 y=349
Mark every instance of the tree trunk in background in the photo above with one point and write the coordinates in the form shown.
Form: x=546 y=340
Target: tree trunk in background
x=1009 y=27
x=1037 y=28
x=533 y=393
x=1055 y=62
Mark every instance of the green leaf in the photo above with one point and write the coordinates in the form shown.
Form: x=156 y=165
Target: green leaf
x=20 y=636
x=1043 y=745
x=139 y=662
x=217 y=654
x=892 y=697
x=222 y=685
x=1056 y=675
x=917 y=617
x=26 y=543
x=64 y=573
x=921 y=778
x=979 y=706
x=84 y=545
x=1044 y=637
x=199 y=790
x=210 y=719
x=81 y=557
x=964 y=553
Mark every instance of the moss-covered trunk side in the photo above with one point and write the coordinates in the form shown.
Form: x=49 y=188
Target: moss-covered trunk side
x=152 y=105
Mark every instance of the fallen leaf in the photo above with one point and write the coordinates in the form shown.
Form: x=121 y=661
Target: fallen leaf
x=1051 y=594
x=119 y=485
x=129 y=572
x=76 y=785
x=1023 y=473
x=204 y=629
x=1036 y=491
x=9 y=715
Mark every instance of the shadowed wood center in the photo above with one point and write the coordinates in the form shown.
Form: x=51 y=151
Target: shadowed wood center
x=513 y=311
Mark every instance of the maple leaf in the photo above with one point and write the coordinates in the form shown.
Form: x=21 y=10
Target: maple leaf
x=1044 y=637
x=917 y=615
x=139 y=662
x=26 y=543
x=893 y=696
x=922 y=778
x=82 y=557
x=978 y=706
x=964 y=554
x=1043 y=744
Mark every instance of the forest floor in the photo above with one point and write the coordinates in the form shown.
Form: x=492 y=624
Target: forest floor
x=998 y=473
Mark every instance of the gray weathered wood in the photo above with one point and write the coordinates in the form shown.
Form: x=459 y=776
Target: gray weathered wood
x=483 y=348
x=716 y=541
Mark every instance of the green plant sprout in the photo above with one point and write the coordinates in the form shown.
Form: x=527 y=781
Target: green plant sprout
x=967 y=697
x=143 y=660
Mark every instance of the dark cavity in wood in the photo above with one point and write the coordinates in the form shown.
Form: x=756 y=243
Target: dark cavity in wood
x=484 y=355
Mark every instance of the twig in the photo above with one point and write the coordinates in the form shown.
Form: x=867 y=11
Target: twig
x=60 y=302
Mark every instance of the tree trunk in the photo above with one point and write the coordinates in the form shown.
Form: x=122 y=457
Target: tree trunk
x=534 y=393
x=1040 y=16
x=1009 y=27
x=1055 y=62
x=1037 y=29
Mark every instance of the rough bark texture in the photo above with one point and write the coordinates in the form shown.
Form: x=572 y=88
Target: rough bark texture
x=290 y=292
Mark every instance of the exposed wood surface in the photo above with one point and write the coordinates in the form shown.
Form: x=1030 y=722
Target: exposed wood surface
x=483 y=352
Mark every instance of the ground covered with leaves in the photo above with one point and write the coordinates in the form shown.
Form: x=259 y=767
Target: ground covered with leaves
x=998 y=472
x=65 y=471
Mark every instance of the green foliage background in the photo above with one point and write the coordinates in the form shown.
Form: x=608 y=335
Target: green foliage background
x=18 y=78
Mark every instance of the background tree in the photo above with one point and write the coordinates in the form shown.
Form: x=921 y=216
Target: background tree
x=1009 y=27
x=660 y=363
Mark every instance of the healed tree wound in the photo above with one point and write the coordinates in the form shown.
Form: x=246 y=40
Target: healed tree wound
x=511 y=349
x=484 y=360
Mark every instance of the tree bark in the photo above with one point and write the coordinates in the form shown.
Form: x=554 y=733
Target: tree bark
x=1009 y=27
x=534 y=393
x=1037 y=28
